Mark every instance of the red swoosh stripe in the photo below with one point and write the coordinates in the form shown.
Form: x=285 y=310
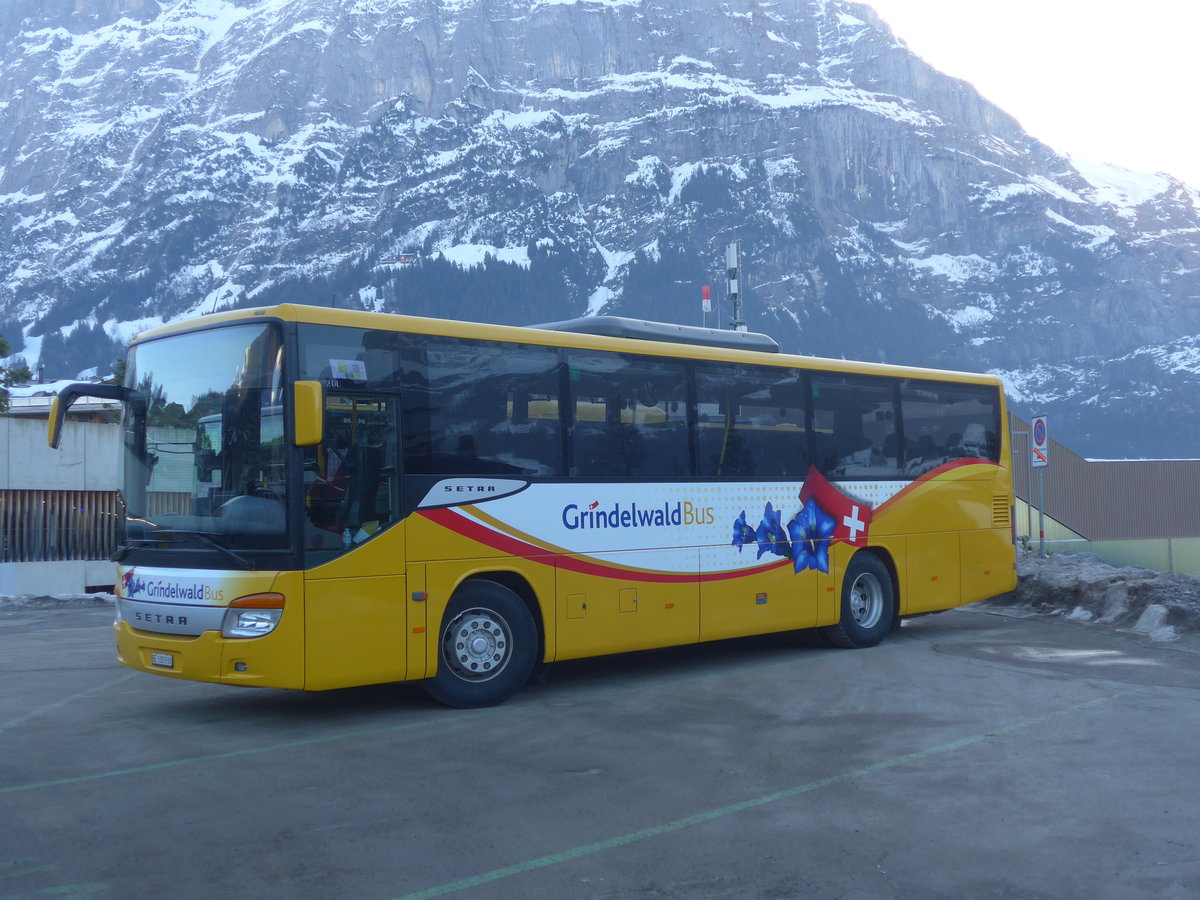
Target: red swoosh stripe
x=481 y=534
x=511 y=546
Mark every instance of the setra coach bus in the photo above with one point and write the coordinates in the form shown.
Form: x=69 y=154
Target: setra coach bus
x=321 y=498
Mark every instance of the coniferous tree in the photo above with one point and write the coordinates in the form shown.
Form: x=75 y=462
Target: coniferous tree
x=14 y=373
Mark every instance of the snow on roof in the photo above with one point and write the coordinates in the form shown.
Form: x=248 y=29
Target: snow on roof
x=43 y=389
x=35 y=399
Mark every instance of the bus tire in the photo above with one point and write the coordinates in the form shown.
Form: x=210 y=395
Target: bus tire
x=868 y=604
x=487 y=647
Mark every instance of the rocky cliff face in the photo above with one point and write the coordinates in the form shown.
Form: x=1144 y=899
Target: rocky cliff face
x=524 y=161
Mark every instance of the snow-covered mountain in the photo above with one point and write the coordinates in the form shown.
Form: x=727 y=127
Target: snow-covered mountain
x=531 y=160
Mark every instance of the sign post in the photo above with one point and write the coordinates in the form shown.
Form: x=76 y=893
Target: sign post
x=1040 y=459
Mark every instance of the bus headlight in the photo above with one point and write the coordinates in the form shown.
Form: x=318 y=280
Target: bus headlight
x=253 y=616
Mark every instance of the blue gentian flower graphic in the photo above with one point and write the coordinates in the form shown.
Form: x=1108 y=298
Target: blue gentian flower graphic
x=742 y=533
x=810 y=532
x=772 y=538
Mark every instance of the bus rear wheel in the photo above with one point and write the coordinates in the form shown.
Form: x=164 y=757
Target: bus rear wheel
x=868 y=604
x=487 y=647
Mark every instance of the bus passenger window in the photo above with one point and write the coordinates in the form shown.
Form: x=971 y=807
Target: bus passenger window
x=854 y=420
x=751 y=421
x=630 y=415
x=946 y=422
x=484 y=408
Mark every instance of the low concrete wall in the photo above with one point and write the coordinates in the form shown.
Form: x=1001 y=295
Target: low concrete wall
x=58 y=577
x=1178 y=555
x=88 y=458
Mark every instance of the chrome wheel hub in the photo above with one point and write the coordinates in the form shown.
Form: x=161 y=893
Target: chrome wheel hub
x=476 y=644
x=866 y=600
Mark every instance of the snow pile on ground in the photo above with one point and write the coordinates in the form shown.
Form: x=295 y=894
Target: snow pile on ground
x=1084 y=588
x=55 y=601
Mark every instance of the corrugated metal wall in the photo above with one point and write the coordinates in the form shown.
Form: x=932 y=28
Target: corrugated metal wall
x=1112 y=500
x=38 y=526
x=63 y=505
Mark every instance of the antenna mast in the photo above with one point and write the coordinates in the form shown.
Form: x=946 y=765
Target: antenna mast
x=732 y=265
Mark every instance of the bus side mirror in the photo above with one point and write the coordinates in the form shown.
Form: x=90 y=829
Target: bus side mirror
x=310 y=413
x=58 y=412
x=71 y=393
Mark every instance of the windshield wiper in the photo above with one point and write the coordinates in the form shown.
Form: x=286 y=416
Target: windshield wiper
x=204 y=537
x=125 y=549
x=208 y=540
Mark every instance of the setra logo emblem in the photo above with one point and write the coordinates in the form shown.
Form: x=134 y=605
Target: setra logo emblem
x=457 y=491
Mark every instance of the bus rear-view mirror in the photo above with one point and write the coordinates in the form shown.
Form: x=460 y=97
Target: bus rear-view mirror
x=71 y=393
x=310 y=413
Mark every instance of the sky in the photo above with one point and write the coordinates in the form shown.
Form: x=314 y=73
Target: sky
x=1106 y=81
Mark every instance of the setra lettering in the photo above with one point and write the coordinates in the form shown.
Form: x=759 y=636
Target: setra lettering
x=159 y=618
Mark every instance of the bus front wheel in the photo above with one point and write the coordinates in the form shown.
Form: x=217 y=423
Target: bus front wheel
x=868 y=603
x=487 y=647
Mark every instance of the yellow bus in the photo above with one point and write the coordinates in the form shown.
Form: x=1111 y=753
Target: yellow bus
x=321 y=498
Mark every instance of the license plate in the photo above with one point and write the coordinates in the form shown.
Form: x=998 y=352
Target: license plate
x=166 y=660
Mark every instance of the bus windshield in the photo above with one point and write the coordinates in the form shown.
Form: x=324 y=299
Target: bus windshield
x=205 y=456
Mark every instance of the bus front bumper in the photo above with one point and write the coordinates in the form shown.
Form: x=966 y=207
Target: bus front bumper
x=267 y=661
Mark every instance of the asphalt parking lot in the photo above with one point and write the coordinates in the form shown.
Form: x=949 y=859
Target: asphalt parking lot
x=972 y=754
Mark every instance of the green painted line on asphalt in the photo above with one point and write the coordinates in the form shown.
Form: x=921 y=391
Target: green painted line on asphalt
x=249 y=751
x=451 y=718
x=699 y=818
x=33 y=713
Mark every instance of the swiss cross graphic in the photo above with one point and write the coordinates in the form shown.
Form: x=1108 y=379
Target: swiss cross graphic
x=853 y=518
x=854 y=524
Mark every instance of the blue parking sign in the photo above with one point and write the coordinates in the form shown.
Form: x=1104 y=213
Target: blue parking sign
x=1041 y=442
